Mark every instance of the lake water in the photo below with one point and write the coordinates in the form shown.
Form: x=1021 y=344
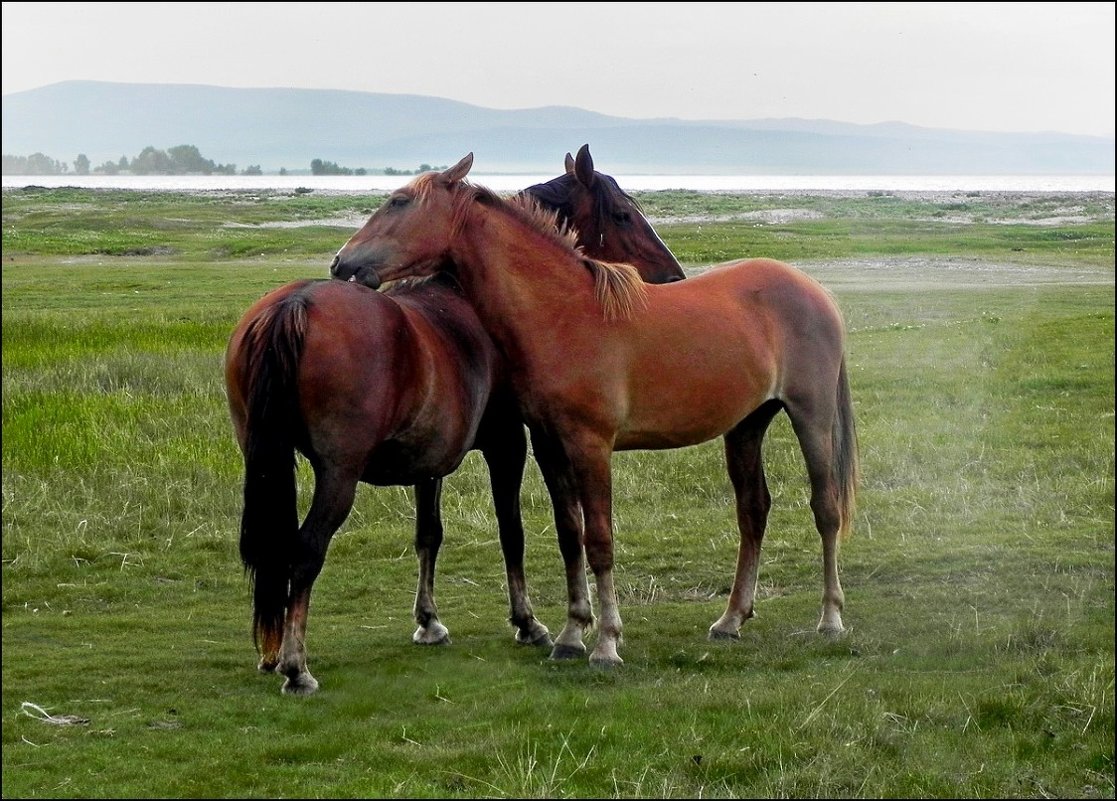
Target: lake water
x=632 y=183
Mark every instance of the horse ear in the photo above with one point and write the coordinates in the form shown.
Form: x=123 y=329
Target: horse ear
x=583 y=167
x=569 y=164
x=458 y=171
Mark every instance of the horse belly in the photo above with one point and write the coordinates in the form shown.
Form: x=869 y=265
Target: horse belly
x=691 y=422
x=691 y=394
x=402 y=463
x=437 y=430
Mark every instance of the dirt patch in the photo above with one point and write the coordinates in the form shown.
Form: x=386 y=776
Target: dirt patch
x=763 y=216
x=890 y=274
x=353 y=222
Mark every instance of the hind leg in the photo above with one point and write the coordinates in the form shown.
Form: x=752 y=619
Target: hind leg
x=428 y=540
x=816 y=444
x=269 y=652
x=746 y=472
x=333 y=500
x=506 y=459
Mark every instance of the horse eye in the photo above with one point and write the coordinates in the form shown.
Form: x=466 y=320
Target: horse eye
x=399 y=201
x=621 y=217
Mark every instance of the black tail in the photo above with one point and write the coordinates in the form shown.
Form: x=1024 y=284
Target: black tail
x=269 y=526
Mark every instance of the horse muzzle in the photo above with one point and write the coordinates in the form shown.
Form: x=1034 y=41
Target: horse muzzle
x=354 y=274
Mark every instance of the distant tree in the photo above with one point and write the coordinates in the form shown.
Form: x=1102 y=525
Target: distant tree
x=178 y=160
x=282 y=170
x=188 y=159
x=35 y=164
x=319 y=167
x=152 y=162
x=252 y=169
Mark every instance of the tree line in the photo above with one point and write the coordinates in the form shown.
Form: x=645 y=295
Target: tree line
x=178 y=160
x=320 y=167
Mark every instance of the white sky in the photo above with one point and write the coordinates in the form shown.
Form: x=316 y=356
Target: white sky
x=974 y=66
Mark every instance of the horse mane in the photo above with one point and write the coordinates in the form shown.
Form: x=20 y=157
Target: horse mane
x=618 y=287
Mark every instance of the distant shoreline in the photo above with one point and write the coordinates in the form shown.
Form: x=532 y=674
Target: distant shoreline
x=833 y=185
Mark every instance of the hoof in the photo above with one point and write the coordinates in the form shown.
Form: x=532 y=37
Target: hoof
x=538 y=635
x=435 y=634
x=301 y=685
x=605 y=662
x=723 y=636
x=831 y=631
x=564 y=652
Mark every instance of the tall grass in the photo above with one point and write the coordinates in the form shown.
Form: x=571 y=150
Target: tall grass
x=979 y=660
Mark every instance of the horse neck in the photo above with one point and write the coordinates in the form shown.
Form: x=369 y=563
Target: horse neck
x=515 y=275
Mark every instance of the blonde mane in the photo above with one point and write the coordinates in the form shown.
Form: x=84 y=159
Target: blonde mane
x=618 y=288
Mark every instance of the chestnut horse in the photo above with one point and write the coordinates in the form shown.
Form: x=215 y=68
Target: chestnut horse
x=600 y=362
x=388 y=388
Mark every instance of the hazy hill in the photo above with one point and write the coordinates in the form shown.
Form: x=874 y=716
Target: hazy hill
x=287 y=128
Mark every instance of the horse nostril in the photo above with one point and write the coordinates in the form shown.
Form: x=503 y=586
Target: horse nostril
x=675 y=278
x=334 y=265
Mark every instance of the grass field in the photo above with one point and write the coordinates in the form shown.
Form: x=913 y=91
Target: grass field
x=979 y=657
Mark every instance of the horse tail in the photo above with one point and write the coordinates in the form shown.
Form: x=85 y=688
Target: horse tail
x=270 y=521
x=847 y=469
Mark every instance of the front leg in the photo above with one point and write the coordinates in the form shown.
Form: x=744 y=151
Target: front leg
x=561 y=485
x=428 y=539
x=594 y=471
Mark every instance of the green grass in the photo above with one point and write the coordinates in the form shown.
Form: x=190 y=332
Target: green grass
x=979 y=660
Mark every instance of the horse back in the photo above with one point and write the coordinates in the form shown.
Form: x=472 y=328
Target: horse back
x=731 y=339
x=413 y=367
x=763 y=303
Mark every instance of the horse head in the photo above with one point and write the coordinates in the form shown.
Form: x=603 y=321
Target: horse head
x=610 y=223
x=395 y=236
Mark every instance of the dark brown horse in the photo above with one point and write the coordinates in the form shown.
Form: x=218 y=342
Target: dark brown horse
x=600 y=362
x=388 y=388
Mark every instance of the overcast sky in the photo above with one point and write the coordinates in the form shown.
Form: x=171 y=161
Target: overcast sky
x=974 y=66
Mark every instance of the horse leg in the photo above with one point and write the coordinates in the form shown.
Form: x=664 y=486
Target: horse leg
x=333 y=500
x=270 y=643
x=428 y=539
x=561 y=485
x=596 y=490
x=743 y=446
x=506 y=460
x=818 y=451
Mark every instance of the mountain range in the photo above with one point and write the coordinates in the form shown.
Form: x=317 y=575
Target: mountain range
x=288 y=128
